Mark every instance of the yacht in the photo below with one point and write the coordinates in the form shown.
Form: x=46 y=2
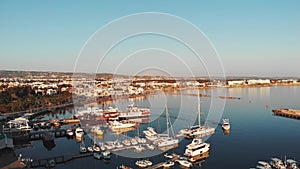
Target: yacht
x=115 y=125
x=196 y=148
x=79 y=132
x=263 y=165
x=291 y=164
x=277 y=163
x=133 y=111
x=226 y=124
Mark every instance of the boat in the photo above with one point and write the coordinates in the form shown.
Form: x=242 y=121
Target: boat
x=168 y=164
x=106 y=154
x=119 y=145
x=69 y=133
x=102 y=147
x=150 y=146
x=291 y=164
x=277 y=163
x=263 y=165
x=167 y=141
x=133 y=111
x=167 y=155
x=139 y=148
x=198 y=130
x=196 y=148
x=124 y=167
x=116 y=125
x=109 y=145
x=97 y=155
x=226 y=124
x=143 y=163
x=126 y=142
x=90 y=149
x=20 y=123
x=82 y=148
x=133 y=141
x=79 y=132
x=96 y=148
x=184 y=162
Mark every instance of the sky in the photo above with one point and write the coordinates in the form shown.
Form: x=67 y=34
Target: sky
x=252 y=38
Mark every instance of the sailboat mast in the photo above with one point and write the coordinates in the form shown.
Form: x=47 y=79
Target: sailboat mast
x=167 y=117
x=199 y=113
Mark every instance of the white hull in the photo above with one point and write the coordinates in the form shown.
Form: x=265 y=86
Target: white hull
x=167 y=142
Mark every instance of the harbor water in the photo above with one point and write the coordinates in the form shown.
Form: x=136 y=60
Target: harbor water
x=255 y=133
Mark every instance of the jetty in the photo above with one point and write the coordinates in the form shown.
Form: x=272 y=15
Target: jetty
x=285 y=112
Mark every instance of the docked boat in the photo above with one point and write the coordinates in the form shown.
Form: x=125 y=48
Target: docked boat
x=96 y=148
x=97 y=155
x=133 y=111
x=119 y=145
x=198 y=130
x=69 y=133
x=143 y=163
x=109 y=145
x=139 y=148
x=263 y=165
x=184 y=162
x=19 y=123
x=133 y=141
x=167 y=155
x=126 y=142
x=277 y=163
x=106 y=154
x=226 y=124
x=116 y=125
x=291 y=164
x=90 y=149
x=168 y=164
x=79 y=132
x=150 y=146
x=196 y=148
x=82 y=148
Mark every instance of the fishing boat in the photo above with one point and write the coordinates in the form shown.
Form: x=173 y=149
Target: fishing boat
x=196 y=148
x=263 y=165
x=79 y=132
x=198 y=130
x=167 y=141
x=277 y=163
x=291 y=164
x=226 y=124
x=168 y=164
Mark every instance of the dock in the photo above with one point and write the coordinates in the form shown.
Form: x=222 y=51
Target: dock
x=285 y=112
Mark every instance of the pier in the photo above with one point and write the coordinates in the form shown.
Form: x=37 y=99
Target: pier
x=37 y=135
x=285 y=112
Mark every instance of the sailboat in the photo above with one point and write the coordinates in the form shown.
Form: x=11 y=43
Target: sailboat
x=167 y=141
x=198 y=130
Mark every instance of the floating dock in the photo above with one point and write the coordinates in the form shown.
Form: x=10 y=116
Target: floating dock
x=285 y=112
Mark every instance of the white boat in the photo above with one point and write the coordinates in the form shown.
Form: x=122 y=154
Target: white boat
x=167 y=155
x=90 y=149
x=198 y=130
x=115 y=125
x=126 y=142
x=139 y=148
x=167 y=141
x=96 y=148
x=79 y=132
x=263 y=165
x=291 y=164
x=109 y=145
x=102 y=147
x=82 y=149
x=97 y=155
x=69 y=132
x=168 y=164
x=133 y=141
x=150 y=146
x=106 y=154
x=277 y=163
x=143 y=163
x=133 y=111
x=143 y=140
x=119 y=145
x=184 y=162
x=226 y=124
x=20 y=123
x=196 y=148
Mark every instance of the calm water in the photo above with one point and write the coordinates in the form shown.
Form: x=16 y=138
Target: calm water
x=255 y=133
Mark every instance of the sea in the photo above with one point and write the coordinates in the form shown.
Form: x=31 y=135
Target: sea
x=255 y=134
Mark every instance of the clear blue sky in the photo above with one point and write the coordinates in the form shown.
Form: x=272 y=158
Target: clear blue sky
x=252 y=37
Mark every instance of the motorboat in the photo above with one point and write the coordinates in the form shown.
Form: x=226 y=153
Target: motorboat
x=90 y=149
x=150 y=146
x=226 y=124
x=168 y=164
x=139 y=148
x=184 y=162
x=126 y=142
x=97 y=155
x=143 y=163
x=263 y=165
x=196 y=148
x=79 y=132
x=133 y=141
x=69 y=133
x=277 y=163
x=82 y=149
x=106 y=154
x=96 y=148
x=116 y=125
x=291 y=164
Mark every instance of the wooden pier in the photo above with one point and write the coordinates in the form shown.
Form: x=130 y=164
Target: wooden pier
x=289 y=113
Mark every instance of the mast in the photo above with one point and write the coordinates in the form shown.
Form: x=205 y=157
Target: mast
x=167 y=117
x=199 y=122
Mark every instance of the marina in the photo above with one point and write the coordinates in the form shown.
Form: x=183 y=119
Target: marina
x=144 y=139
